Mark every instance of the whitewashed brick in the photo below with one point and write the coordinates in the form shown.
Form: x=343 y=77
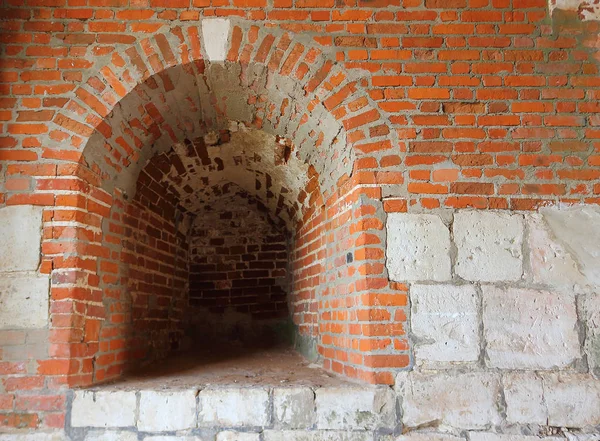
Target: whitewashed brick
x=524 y=396
x=215 y=32
x=418 y=247
x=20 y=238
x=573 y=400
x=355 y=408
x=233 y=407
x=237 y=436
x=294 y=408
x=24 y=300
x=445 y=324
x=162 y=411
x=316 y=435
x=460 y=400
x=529 y=329
x=103 y=409
x=489 y=245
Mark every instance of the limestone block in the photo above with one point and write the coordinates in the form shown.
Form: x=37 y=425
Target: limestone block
x=316 y=435
x=529 y=329
x=24 y=299
x=489 y=245
x=460 y=400
x=233 y=407
x=103 y=409
x=215 y=32
x=162 y=411
x=20 y=238
x=573 y=400
x=237 y=436
x=578 y=230
x=590 y=307
x=58 y=435
x=488 y=436
x=176 y=438
x=427 y=436
x=111 y=435
x=444 y=323
x=294 y=408
x=524 y=396
x=551 y=262
x=353 y=408
x=418 y=247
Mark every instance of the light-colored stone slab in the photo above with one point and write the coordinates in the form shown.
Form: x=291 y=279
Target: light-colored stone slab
x=445 y=324
x=24 y=300
x=111 y=435
x=215 y=32
x=294 y=408
x=573 y=400
x=162 y=411
x=459 y=400
x=529 y=329
x=355 y=408
x=590 y=315
x=427 y=436
x=316 y=435
x=550 y=262
x=176 y=438
x=103 y=409
x=58 y=435
x=418 y=247
x=20 y=238
x=233 y=407
x=524 y=396
x=237 y=436
x=488 y=436
x=578 y=230
x=489 y=245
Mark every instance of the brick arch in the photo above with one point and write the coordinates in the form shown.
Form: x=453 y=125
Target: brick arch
x=348 y=301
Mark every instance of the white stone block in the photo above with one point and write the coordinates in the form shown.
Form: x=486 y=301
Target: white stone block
x=489 y=245
x=550 y=261
x=578 y=230
x=215 y=32
x=24 y=300
x=590 y=308
x=111 y=435
x=418 y=247
x=445 y=324
x=427 y=436
x=103 y=409
x=488 y=436
x=529 y=329
x=524 y=396
x=233 y=407
x=316 y=435
x=176 y=438
x=58 y=435
x=459 y=400
x=237 y=436
x=573 y=400
x=20 y=238
x=162 y=411
x=294 y=408
x=355 y=408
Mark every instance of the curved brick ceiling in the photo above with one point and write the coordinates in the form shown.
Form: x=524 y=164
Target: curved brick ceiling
x=189 y=105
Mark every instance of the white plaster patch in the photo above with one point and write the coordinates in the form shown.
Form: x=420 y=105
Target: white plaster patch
x=529 y=329
x=460 y=400
x=24 y=299
x=162 y=411
x=418 y=247
x=578 y=230
x=353 y=408
x=489 y=245
x=573 y=400
x=589 y=9
x=444 y=322
x=103 y=409
x=233 y=407
x=524 y=395
x=20 y=238
x=215 y=32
